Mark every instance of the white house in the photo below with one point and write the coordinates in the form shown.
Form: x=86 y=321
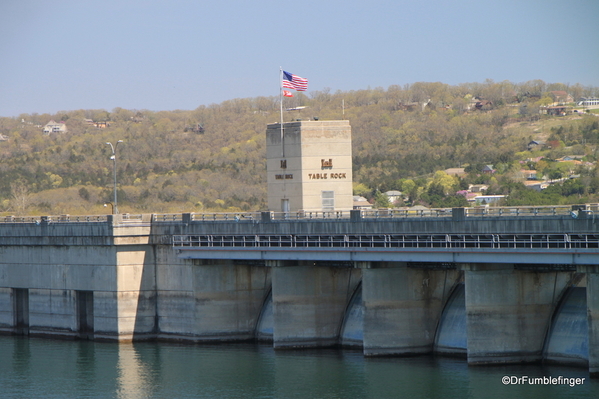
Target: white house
x=55 y=127
x=394 y=195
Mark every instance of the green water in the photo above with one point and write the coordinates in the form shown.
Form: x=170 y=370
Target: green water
x=41 y=368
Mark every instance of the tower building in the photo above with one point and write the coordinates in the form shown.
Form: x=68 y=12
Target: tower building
x=309 y=166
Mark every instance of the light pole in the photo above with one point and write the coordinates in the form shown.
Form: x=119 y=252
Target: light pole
x=113 y=157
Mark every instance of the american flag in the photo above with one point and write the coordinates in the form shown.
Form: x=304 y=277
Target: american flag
x=295 y=82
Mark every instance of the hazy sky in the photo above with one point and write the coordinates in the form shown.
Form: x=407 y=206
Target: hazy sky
x=61 y=55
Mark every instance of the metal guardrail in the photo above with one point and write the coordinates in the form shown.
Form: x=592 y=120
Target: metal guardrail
x=553 y=210
x=348 y=241
x=401 y=213
x=405 y=213
x=20 y=219
x=167 y=217
x=54 y=219
x=309 y=215
x=236 y=217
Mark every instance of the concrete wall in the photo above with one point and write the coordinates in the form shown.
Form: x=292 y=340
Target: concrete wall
x=509 y=311
x=53 y=274
x=309 y=303
x=214 y=301
x=52 y=262
x=402 y=307
x=7 y=316
x=208 y=300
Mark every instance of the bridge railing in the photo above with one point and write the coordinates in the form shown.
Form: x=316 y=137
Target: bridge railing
x=479 y=211
x=547 y=210
x=54 y=219
x=167 y=217
x=310 y=215
x=391 y=241
x=405 y=213
x=207 y=217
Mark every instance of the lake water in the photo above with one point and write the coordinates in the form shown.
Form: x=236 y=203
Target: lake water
x=43 y=368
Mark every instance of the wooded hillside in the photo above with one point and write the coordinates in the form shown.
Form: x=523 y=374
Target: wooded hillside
x=401 y=137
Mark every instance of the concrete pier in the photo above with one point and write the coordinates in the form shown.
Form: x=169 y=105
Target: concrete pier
x=309 y=303
x=210 y=300
x=402 y=307
x=508 y=311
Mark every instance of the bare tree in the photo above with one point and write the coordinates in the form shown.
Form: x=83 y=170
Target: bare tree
x=20 y=198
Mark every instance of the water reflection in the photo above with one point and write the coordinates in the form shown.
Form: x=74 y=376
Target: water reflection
x=133 y=375
x=37 y=368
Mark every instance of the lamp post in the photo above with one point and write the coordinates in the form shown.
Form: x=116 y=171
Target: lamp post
x=113 y=157
x=111 y=207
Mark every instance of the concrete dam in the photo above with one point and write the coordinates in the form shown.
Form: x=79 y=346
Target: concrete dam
x=494 y=285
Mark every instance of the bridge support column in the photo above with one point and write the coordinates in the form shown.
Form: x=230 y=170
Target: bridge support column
x=508 y=311
x=592 y=273
x=309 y=303
x=402 y=307
x=211 y=300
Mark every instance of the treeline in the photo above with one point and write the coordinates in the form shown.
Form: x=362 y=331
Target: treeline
x=167 y=164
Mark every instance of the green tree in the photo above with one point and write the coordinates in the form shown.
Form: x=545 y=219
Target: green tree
x=381 y=200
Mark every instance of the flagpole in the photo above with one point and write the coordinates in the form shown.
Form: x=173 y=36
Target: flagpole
x=281 y=102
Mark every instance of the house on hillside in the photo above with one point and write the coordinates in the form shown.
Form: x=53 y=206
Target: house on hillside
x=361 y=202
x=55 y=127
x=557 y=110
x=535 y=145
x=536 y=185
x=469 y=195
x=394 y=195
x=591 y=102
x=488 y=169
x=488 y=199
x=484 y=105
x=561 y=97
x=570 y=158
x=478 y=188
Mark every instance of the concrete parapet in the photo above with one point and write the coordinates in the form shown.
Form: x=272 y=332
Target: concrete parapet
x=458 y=214
x=266 y=217
x=355 y=215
